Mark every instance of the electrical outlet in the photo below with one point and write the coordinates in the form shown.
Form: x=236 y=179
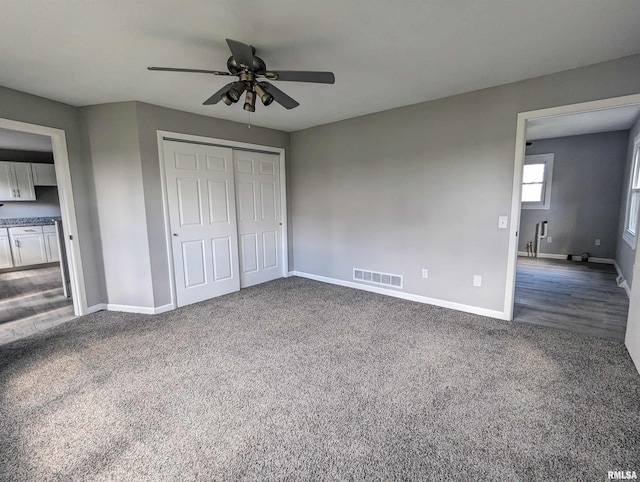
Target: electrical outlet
x=549 y=239
x=425 y=273
x=597 y=242
x=477 y=280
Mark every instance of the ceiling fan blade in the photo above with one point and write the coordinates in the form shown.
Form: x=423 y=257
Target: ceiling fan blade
x=197 y=71
x=280 y=97
x=243 y=53
x=302 y=76
x=215 y=98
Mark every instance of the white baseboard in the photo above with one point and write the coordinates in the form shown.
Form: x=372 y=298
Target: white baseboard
x=624 y=284
x=564 y=256
x=96 y=308
x=129 y=308
x=602 y=260
x=139 y=309
x=162 y=309
x=405 y=296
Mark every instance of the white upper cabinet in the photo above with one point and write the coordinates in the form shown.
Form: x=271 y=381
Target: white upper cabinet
x=16 y=181
x=44 y=174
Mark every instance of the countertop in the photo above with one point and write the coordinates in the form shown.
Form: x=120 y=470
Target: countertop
x=21 y=222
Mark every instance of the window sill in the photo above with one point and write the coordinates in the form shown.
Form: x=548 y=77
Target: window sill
x=534 y=206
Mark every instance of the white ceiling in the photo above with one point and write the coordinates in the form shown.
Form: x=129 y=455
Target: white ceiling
x=24 y=141
x=607 y=120
x=384 y=53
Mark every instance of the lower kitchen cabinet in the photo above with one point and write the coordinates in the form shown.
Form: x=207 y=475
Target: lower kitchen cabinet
x=6 y=261
x=51 y=243
x=28 y=245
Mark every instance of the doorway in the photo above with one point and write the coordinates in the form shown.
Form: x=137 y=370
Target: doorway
x=225 y=211
x=561 y=256
x=37 y=242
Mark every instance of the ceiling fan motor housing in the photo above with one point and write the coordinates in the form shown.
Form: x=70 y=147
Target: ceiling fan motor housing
x=258 y=66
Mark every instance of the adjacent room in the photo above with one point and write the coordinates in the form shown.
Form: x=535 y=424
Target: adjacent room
x=320 y=240
x=574 y=272
x=35 y=295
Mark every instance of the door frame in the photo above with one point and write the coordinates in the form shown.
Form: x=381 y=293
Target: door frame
x=189 y=138
x=67 y=206
x=521 y=139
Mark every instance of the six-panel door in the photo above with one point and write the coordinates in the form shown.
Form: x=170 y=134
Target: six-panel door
x=257 y=178
x=201 y=201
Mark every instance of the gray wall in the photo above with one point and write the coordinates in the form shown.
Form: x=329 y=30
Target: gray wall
x=111 y=133
x=28 y=108
x=422 y=186
x=152 y=118
x=625 y=255
x=585 y=194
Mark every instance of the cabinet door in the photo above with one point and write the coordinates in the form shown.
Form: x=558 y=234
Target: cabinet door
x=51 y=246
x=24 y=181
x=7 y=189
x=6 y=261
x=44 y=174
x=28 y=249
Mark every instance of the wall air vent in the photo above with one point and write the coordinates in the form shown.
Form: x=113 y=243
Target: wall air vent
x=377 y=278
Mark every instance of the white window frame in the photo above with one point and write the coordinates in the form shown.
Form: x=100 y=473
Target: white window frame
x=547 y=160
x=634 y=179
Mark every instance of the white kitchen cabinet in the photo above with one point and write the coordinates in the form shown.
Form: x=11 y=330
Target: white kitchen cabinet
x=51 y=243
x=16 y=181
x=27 y=245
x=44 y=174
x=6 y=261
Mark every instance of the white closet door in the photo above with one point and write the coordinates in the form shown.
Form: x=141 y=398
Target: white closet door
x=259 y=217
x=201 y=201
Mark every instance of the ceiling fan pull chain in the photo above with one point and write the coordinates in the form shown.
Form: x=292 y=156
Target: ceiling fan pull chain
x=249 y=114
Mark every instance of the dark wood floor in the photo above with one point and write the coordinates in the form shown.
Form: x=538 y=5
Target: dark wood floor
x=34 y=295
x=571 y=295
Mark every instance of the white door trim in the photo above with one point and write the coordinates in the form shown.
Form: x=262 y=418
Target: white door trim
x=223 y=143
x=521 y=134
x=67 y=206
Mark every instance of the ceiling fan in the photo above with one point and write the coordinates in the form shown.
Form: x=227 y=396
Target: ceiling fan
x=250 y=68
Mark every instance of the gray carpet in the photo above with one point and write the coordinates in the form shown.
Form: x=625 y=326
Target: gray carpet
x=298 y=380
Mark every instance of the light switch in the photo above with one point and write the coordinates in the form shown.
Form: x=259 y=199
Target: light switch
x=477 y=280
x=549 y=239
x=597 y=242
x=425 y=273
x=502 y=222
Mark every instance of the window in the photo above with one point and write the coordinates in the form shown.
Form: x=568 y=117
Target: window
x=536 y=181
x=633 y=198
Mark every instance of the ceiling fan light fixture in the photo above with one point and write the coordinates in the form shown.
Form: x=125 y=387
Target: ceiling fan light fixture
x=235 y=91
x=227 y=100
x=250 y=101
x=265 y=96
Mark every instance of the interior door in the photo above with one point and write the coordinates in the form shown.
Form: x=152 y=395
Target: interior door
x=201 y=195
x=257 y=177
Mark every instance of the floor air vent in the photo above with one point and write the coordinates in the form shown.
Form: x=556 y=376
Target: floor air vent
x=384 y=279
